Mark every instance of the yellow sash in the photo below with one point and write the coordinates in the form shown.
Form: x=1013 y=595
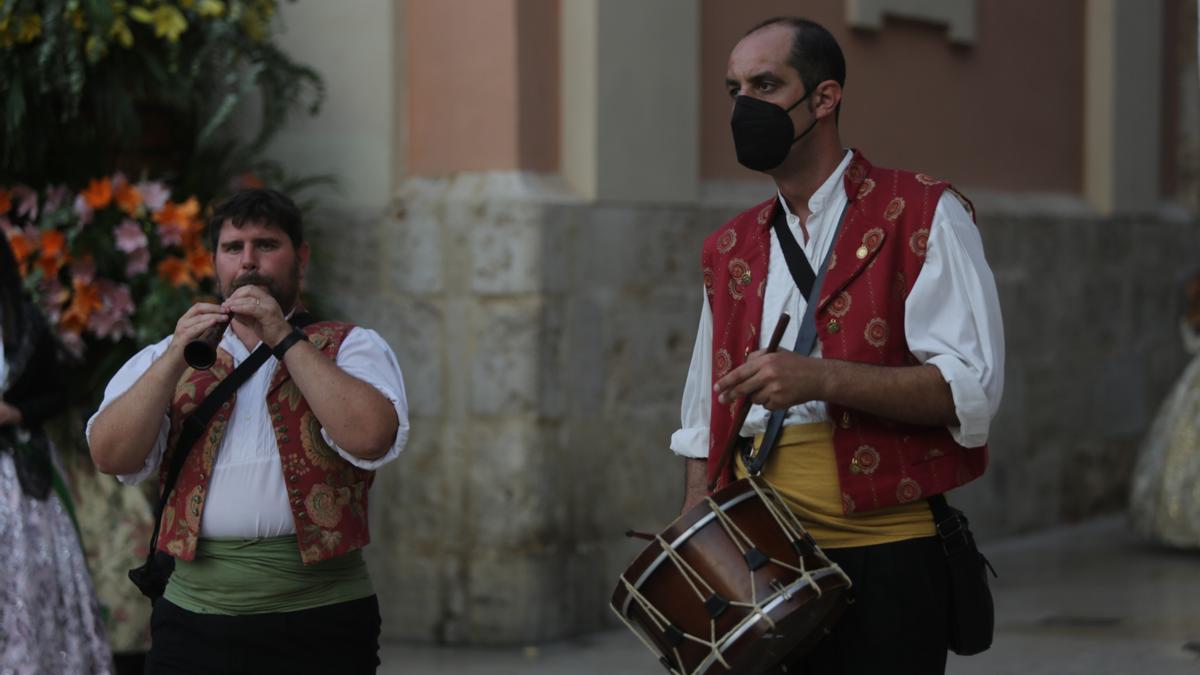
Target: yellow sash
x=802 y=468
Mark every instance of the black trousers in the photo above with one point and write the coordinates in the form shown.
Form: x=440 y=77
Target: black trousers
x=898 y=622
x=339 y=638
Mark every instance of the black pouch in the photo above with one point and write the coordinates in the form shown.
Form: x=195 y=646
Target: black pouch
x=972 y=614
x=151 y=577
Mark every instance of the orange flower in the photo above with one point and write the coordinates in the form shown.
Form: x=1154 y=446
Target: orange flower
x=175 y=270
x=128 y=198
x=200 y=263
x=98 y=193
x=178 y=214
x=5 y=201
x=53 y=252
x=54 y=243
x=85 y=300
x=21 y=247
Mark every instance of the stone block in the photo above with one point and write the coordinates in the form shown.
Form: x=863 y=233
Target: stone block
x=506 y=251
x=410 y=245
x=415 y=329
x=517 y=487
x=504 y=374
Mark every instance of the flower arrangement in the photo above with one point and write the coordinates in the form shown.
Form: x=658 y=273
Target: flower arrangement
x=116 y=262
x=91 y=86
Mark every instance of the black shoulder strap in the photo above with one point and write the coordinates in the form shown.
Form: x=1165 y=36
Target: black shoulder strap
x=195 y=423
x=797 y=262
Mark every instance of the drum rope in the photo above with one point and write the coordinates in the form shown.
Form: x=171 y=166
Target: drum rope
x=791 y=526
x=661 y=622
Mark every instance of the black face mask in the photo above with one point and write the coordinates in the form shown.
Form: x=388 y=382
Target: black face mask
x=762 y=132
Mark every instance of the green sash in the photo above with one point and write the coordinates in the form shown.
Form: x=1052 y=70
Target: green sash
x=256 y=576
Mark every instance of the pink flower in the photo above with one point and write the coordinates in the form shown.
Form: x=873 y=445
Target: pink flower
x=171 y=234
x=56 y=196
x=27 y=201
x=130 y=237
x=137 y=262
x=154 y=194
x=83 y=210
x=112 y=319
x=52 y=296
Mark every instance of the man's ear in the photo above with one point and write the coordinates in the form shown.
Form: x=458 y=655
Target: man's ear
x=826 y=98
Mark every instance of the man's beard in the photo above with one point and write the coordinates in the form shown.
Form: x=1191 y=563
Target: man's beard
x=286 y=297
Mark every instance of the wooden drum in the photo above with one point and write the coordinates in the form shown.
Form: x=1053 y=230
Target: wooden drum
x=734 y=585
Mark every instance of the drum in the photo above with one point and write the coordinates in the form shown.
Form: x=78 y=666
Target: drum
x=734 y=585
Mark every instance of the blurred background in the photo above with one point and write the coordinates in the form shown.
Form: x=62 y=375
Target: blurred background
x=514 y=193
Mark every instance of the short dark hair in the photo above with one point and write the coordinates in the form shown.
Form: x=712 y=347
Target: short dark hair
x=815 y=53
x=258 y=205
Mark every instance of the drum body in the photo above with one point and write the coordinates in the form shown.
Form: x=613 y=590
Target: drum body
x=734 y=585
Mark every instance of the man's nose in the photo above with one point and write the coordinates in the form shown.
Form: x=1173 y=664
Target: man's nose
x=249 y=258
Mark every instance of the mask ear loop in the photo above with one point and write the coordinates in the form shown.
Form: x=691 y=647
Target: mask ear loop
x=810 y=126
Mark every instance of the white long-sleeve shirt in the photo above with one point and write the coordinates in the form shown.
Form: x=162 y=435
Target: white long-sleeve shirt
x=951 y=321
x=247 y=496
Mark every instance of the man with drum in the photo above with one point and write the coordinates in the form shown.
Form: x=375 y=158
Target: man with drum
x=268 y=516
x=892 y=403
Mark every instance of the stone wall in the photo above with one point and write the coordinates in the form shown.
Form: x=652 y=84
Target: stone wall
x=545 y=343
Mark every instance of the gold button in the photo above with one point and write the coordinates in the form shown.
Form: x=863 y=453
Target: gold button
x=746 y=279
x=834 y=326
x=846 y=420
x=854 y=468
x=861 y=252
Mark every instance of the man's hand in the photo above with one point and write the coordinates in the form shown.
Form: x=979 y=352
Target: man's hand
x=775 y=381
x=199 y=318
x=9 y=415
x=255 y=308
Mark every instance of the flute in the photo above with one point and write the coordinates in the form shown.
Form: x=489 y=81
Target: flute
x=201 y=353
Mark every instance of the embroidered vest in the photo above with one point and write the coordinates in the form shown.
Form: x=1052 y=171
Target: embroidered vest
x=327 y=494
x=860 y=317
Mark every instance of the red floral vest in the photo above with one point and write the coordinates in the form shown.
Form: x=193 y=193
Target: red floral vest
x=860 y=317
x=328 y=495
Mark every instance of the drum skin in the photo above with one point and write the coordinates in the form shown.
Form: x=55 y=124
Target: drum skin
x=800 y=616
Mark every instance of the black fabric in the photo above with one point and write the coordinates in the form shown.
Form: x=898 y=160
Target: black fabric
x=341 y=638
x=38 y=391
x=897 y=623
x=37 y=387
x=151 y=576
x=972 y=612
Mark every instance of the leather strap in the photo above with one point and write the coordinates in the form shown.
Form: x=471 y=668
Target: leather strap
x=806 y=337
x=195 y=423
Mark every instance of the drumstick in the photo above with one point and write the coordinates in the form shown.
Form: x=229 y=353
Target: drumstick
x=734 y=435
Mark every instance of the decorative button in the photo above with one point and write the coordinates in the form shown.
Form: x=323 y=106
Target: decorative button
x=277 y=417
x=293 y=478
x=854 y=467
x=303 y=514
x=846 y=419
x=225 y=405
x=746 y=279
x=861 y=252
x=834 y=326
x=284 y=439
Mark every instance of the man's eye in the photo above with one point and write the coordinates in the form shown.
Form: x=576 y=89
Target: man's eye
x=733 y=92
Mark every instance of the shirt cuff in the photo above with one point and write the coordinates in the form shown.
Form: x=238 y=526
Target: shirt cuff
x=397 y=443
x=970 y=403
x=691 y=442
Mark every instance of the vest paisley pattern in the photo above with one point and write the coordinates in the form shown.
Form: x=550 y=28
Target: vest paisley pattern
x=327 y=494
x=860 y=317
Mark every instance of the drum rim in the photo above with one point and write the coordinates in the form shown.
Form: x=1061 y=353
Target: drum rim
x=780 y=597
